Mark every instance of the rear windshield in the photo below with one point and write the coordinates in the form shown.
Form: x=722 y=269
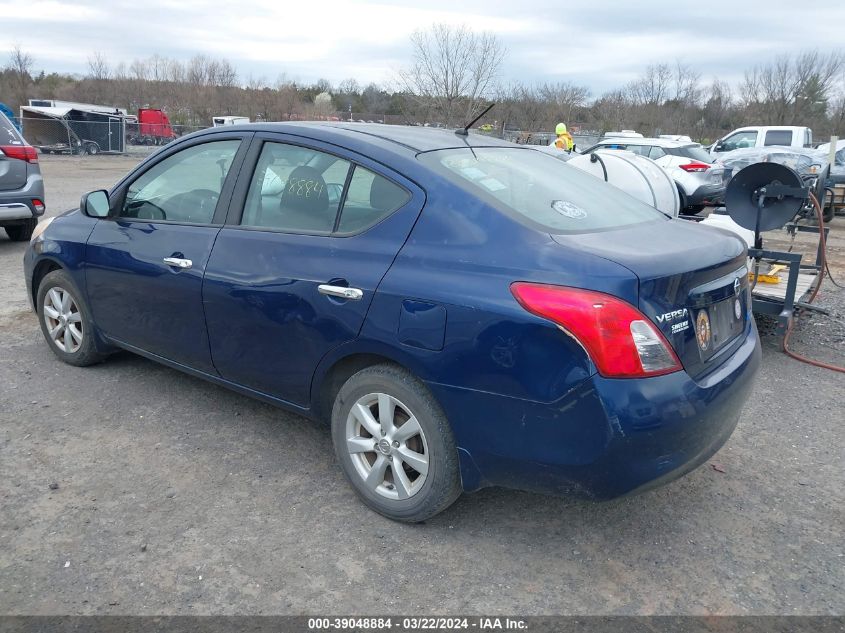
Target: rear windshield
x=8 y=134
x=696 y=152
x=541 y=189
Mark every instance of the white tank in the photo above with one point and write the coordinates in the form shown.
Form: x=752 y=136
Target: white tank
x=636 y=175
x=725 y=222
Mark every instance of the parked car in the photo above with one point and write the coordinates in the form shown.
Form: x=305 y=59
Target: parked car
x=21 y=185
x=763 y=136
x=700 y=182
x=811 y=164
x=466 y=312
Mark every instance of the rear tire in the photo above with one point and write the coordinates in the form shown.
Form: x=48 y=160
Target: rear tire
x=66 y=321
x=395 y=445
x=21 y=232
x=92 y=149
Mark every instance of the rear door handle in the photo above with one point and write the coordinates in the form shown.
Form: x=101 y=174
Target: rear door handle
x=344 y=292
x=178 y=262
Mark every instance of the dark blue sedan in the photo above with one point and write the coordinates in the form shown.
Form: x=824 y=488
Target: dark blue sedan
x=465 y=311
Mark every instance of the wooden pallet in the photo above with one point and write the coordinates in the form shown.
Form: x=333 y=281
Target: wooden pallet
x=778 y=290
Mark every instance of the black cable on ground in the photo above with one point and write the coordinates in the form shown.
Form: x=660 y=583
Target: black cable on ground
x=822 y=269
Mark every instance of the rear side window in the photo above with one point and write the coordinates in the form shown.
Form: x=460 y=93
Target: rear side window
x=295 y=189
x=778 y=137
x=369 y=199
x=540 y=189
x=301 y=190
x=8 y=133
x=656 y=152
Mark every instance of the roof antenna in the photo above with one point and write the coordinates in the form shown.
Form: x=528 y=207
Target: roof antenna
x=464 y=131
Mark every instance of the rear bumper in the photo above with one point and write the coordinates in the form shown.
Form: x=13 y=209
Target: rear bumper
x=17 y=204
x=16 y=211
x=708 y=195
x=607 y=437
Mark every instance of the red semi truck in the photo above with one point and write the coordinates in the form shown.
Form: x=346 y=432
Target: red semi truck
x=153 y=128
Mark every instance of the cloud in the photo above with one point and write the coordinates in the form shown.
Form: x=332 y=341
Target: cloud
x=599 y=44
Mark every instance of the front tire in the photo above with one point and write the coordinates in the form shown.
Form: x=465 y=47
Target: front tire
x=395 y=445
x=66 y=321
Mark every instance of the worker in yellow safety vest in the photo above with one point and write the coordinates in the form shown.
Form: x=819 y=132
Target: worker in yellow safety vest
x=564 y=139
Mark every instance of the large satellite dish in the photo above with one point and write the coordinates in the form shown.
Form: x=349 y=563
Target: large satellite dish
x=765 y=196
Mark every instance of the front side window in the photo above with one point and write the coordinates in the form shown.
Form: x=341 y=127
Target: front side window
x=184 y=187
x=739 y=141
x=641 y=150
x=541 y=189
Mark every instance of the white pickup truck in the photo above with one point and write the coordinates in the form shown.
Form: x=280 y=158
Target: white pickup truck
x=763 y=136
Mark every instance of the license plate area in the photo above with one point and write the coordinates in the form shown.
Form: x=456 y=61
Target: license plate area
x=724 y=325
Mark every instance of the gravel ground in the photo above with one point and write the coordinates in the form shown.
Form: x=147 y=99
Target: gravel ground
x=129 y=488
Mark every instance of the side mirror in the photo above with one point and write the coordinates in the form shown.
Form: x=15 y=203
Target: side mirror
x=95 y=204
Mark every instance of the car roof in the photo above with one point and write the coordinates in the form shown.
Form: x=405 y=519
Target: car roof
x=770 y=127
x=659 y=142
x=412 y=138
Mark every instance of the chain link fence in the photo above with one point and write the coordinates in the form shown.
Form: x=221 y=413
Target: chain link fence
x=104 y=133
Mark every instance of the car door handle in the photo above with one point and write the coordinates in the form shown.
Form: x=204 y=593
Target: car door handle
x=344 y=292
x=178 y=262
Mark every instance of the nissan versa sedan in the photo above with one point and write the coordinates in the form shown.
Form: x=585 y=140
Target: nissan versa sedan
x=466 y=312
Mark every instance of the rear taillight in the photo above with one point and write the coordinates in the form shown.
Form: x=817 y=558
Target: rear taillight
x=20 y=152
x=695 y=166
x=38 y=204
x=620 y=339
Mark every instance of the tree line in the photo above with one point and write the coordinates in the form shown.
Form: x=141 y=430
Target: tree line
x=453 y=73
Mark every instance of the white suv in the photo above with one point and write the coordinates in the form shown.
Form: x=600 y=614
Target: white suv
x=700 y=183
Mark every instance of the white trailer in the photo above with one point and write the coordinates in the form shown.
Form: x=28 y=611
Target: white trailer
x=220 y=121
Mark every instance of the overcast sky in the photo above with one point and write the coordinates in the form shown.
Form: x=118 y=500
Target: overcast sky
x=598 y=43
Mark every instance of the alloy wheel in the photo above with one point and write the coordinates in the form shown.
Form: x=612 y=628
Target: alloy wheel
x=387 y=446
x=63 y=319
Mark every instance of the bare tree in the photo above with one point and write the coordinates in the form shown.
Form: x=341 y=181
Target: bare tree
x=20 y=66
x=790 y=89
x=562 y=98
x=453 y=69
x=349 y=87
x=98 y=67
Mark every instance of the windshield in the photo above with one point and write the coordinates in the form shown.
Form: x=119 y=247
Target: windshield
x=541 y=189
x=696 y=152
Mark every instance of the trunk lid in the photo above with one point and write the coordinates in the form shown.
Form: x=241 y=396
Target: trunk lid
x=693 y=284
x=13 y=173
